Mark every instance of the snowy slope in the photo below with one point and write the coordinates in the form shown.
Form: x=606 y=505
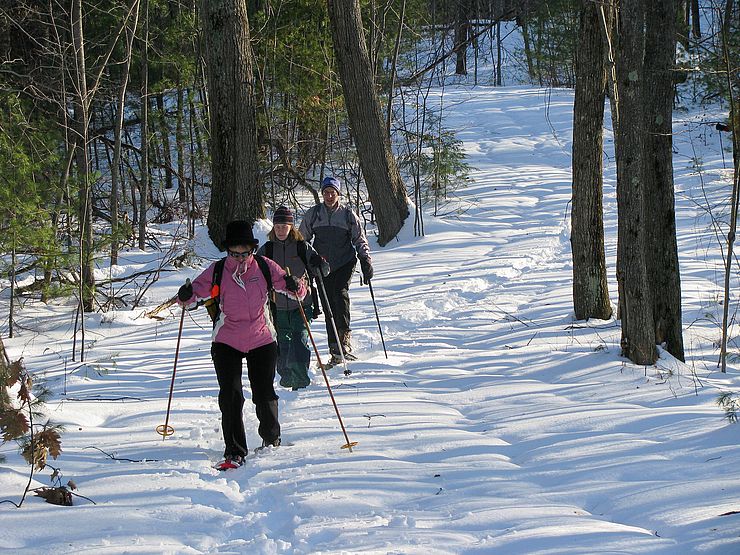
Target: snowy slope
x=496 y=425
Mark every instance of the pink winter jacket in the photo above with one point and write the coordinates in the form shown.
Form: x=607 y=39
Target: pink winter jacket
x=244 y=322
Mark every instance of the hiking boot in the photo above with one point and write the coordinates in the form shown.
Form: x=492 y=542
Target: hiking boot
x=274 y=443
x=345 y=337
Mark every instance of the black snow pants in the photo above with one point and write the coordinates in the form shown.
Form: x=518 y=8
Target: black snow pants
x=337 y=291
x=261 y=372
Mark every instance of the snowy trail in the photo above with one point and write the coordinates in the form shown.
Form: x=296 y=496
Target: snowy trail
x=497 y=425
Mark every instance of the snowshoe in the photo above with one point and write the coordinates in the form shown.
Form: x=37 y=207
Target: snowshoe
x=230 y=463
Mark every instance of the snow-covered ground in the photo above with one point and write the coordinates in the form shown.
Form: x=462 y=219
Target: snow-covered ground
x=497 y=424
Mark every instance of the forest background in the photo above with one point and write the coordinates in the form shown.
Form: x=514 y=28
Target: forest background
x=107 y=125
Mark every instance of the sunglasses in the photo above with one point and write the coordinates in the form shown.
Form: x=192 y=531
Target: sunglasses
x=234 y=254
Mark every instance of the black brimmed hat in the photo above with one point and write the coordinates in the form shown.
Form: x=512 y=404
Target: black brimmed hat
x=239 y=232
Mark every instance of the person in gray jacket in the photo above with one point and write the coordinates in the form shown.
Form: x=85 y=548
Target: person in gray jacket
x=286 y=246
x=338 y=237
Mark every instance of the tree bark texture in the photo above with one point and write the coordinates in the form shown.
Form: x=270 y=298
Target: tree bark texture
x=590 y=290
x=385 y=189
x=638 y=334
x=236 y=193
x=662 y=253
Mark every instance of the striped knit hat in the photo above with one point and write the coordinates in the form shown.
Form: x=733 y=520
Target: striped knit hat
x=283 y=215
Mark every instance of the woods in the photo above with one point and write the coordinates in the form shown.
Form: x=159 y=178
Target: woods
x=120 y=115
x=550 y=189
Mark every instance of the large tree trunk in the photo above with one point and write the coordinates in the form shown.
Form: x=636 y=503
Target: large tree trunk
x=638 y=334
x=87 y=276
x=235 y=189
x=662 y=254
x=590 y=290
x=385 y=188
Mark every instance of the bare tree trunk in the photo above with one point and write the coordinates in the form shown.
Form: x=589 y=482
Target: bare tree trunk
x=590 y=290
x=117 y=127
x=735 y=198
x=87 y=277
x=662 y=254
x=638 y=333
x=527 y=48
x=164 y=131
x=695 y=19
x=11 y=308
x=396 y=50
x=385 y=189
x=499 y=73
x=462 y=29
x=236 y=192
x=144 y=181
x=180 y=145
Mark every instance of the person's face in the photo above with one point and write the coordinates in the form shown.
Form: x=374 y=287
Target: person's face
x=240 y=252
x=331 y=196
x=281 y=231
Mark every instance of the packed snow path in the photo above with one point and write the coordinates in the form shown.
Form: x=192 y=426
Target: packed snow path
x=497 y=424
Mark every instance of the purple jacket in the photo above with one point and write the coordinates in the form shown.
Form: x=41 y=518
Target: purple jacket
x=244 y=322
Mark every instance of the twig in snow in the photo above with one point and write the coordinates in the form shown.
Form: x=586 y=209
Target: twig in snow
x=113 y=457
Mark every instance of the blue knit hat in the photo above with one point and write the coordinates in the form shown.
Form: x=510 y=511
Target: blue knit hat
x=332 y=182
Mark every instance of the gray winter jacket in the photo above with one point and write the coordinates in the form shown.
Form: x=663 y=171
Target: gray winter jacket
x=336 y=235
x=285 y=253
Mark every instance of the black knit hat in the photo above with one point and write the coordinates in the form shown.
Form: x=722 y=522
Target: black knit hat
x=283 y=215
x=239 y=232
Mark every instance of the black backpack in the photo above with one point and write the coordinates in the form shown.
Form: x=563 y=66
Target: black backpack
x=303 y=255
x=213 y=305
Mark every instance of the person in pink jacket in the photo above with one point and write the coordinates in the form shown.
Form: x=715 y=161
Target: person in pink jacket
x=243 y=330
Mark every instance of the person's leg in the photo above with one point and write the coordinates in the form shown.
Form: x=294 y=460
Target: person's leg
x=227 y=362
x=337 y=292
x=261 y=371
x=301 y=352
x=284 y=331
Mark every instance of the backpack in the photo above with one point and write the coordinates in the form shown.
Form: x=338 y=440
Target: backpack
x=213 y=305
x=303 y=255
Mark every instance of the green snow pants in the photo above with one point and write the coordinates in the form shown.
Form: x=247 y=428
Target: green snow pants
x=294 y=354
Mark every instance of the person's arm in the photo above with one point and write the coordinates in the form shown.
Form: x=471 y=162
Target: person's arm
x=305 y=228
x=200 y=288
x=359 y=240
x=280 y=281
x=316 y=263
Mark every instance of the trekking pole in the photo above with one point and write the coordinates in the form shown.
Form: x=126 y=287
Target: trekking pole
x=349 y=443
x=165 y=429
x=377 y=318
x=329 y=313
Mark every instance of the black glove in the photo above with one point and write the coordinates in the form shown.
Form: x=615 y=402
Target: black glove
x=185 y=293
x=367 y=269
x=319 y=265
x=291 y=284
